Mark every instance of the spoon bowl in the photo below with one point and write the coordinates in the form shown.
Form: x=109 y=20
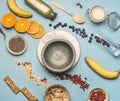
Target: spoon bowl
x=77 y=18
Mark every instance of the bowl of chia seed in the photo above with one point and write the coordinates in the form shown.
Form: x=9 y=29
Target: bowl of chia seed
x=16 y=44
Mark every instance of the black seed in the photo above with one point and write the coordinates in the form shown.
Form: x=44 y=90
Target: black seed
x=73 y=30
x=90 y=38
x=77 y=32
x=54 y=27
x=83 y=30
x=92 y=34
x=95 y=37
x=50 y=25
x=86 y=35
x=65 y=24
x=89 y=41
x=70 y=26
x=60 y=23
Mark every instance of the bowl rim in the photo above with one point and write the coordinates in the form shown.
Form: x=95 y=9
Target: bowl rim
x=57 y=70
x=57 y=85
x=106 y=94
x=16 y=36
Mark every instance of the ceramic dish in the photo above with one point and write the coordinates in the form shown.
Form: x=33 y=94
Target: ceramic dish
x=58 y=55
x=97 y=13
x=97 y=94
x=16 y=44
x=57 y=92
x=58 y=34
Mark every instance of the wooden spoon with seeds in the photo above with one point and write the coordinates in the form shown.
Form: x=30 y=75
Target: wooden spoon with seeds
x=76 y=18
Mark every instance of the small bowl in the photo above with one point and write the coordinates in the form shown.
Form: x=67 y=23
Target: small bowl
x=98 y=91
x=22 y=40
x=57 y=91
x=94 y=14
x=58 y=55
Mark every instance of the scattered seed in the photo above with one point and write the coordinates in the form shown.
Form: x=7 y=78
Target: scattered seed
x=50 y=25
x=78 y=4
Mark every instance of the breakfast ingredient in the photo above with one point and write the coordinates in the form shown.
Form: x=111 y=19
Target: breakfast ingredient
x=104 y=72
x=17 y=44
x=40 y=33
x=12 y=84
x=98 y=13
x=22 y=25
x=17 y=10
x=42 y=8
x=30 y=74
x=79 y=4
x=8 y=20
x=28 y=94
x=1 y=31
x=76 y=30
x=97 y=95
x=34 y=27
x=76 y=79
x=56 y=94
x=16 y=89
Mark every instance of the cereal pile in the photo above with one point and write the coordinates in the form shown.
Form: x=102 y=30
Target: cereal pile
x=56 y=94
x=28 y=69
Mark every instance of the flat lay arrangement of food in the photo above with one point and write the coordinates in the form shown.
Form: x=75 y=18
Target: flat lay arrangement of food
x=59 y=50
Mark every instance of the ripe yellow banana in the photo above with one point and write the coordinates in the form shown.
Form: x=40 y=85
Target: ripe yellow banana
x=104 y=72
x=17 y=10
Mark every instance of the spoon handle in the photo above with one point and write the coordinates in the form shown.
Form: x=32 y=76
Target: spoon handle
x=60 y=7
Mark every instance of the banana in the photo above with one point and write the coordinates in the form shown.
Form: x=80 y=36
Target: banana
x=104 y=72
x=17 y=10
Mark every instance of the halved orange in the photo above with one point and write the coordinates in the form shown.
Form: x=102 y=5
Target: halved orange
x=22 y=25
x=34 y=27
x=8 y=20
x=40 y=33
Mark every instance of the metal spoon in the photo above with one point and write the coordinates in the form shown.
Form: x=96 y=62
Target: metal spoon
x=76 y=18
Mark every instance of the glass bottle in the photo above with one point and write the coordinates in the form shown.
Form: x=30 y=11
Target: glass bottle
x=42 y=8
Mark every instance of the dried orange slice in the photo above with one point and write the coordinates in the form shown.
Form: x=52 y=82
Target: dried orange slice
x=34 y=27
x=8 y=20
x=22 y=25
x=40 y=33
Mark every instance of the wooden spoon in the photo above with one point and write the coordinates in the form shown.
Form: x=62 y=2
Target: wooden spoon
x=76 y=18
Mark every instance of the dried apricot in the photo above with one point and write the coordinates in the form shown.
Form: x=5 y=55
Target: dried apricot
x=22 y=25
x=8 y=20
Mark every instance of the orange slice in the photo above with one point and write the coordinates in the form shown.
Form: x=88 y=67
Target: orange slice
x=8 y=20
x=22 y=25
x=40 y=33
x=34 y=27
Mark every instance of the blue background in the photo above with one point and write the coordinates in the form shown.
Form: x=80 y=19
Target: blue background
x=96 y=51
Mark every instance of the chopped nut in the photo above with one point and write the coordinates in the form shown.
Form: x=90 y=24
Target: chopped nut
x=30 y=74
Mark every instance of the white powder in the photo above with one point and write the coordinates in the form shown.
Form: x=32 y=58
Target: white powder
x=98 y=13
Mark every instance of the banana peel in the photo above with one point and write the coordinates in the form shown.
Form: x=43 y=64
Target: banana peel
x=101 y=70
x=17 y=10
